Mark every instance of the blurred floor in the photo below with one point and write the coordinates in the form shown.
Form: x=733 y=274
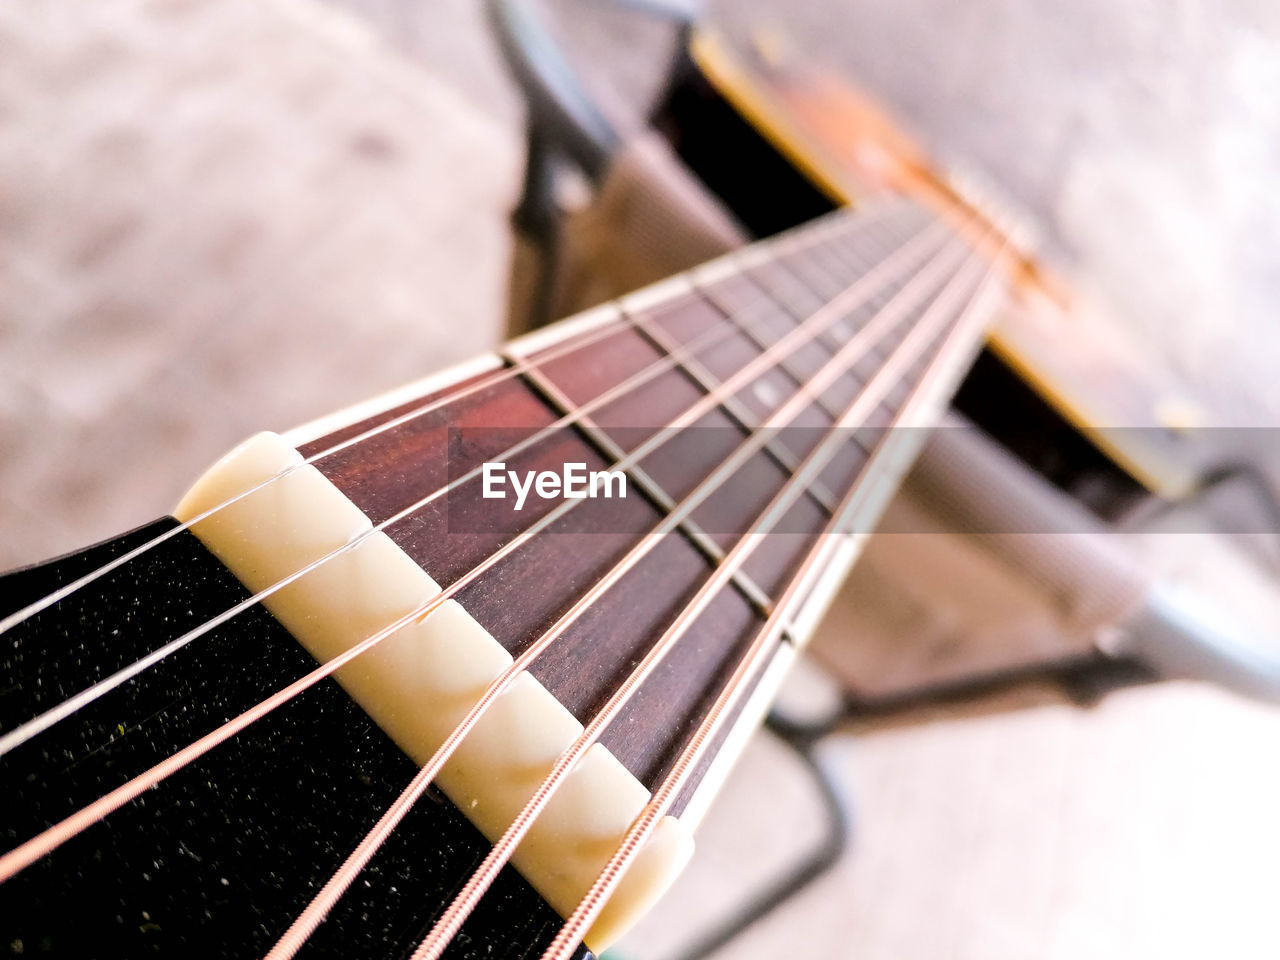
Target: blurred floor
x=1020 y=826
x=219 y=218
x=1142 y=828
x=224 y=216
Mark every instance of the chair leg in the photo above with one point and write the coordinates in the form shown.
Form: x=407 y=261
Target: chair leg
x=535 y=223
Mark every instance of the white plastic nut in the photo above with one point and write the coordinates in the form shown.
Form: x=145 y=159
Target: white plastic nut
x=420 y=681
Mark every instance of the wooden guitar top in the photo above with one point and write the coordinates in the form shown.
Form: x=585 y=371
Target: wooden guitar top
x=849 y=147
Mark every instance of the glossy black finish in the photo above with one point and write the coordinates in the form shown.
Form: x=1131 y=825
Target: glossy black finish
x=1010 y=410
x=753 y=179
x=217 y=860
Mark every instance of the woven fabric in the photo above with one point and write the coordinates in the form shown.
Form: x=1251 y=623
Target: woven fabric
x=978 y=568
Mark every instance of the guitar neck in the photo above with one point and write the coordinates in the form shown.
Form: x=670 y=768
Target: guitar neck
x=754 y=416
x=707 y=327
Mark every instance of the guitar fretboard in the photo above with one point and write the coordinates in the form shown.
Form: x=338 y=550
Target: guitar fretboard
x=761 y=410
x=699 y=333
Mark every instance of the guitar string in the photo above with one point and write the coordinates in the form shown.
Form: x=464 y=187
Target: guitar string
x=767 y=280
x=754 y=275
x=936 y=314
x=826 y=228
x=337 y=884
x=205 y=744
x=21 y=856
x=70 y=705
x=50 y=838
x=775 y=295
x=571 y=933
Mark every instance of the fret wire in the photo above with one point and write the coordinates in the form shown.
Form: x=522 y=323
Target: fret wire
x=826 y=276
x=814 y=273
x=788 y=286
x=855 y=258
x=760 y=278
x=734 y=407
x=833 y=224
x=847 y=253
x=770 y=286
x=48 y=718
x=891 y=231
x=576 y=926
x=858 y=258
x=831 y=343
x=746 y=260
x=455 y=914
x=718 y=297
x=706 y=545
x=23 y=855
x=333 y=889
x=797 y=241
x=821 y=402
x=870 y=242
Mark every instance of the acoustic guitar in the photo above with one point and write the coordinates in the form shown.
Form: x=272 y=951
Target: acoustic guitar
x=456 y=672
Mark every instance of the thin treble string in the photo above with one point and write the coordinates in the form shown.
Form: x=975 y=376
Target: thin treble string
x=818 y=276
x=585 y=915
x=772 y=288
x=747 y=265
x=69 y=706
x=52 y=837
x=507 y=373
x=590 y=906
x=447 y=926
x=342 y=878
x=802 y=237
x=26 y=853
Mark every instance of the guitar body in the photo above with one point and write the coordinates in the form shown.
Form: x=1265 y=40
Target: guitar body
x=1052 y=383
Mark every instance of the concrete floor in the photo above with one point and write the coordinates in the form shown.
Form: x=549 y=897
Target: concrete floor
x=223 y=217
x=220 y=219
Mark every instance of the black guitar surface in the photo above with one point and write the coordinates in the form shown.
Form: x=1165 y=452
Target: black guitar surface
x=220 y=858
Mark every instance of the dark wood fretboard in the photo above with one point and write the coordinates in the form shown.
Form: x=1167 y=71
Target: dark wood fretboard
x=246 y=835
x=744 y=309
